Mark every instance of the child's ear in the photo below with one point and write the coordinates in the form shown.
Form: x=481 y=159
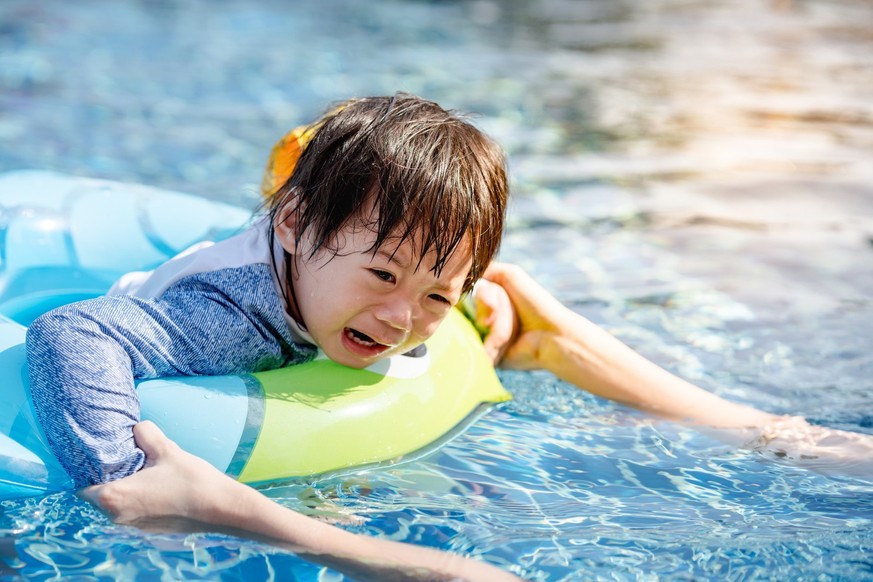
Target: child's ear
x=285 y=226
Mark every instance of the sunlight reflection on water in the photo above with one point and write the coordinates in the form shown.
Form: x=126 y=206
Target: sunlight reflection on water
x=692 y=175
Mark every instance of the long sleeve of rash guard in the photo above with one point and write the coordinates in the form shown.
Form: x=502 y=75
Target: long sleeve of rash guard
x=84 y=359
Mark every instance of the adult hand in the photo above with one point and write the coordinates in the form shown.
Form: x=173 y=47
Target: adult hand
x=176 y=485
x=822 y=449
x=538 y=317
x=169 y=488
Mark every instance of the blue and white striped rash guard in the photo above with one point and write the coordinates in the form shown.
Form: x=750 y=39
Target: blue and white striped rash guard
x=212 y=310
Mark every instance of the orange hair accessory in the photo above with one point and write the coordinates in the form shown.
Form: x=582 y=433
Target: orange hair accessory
x=283 y=158
x=286 y=152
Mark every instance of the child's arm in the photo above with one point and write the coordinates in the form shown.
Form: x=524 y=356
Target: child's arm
x=176 y=485
x=84 y=358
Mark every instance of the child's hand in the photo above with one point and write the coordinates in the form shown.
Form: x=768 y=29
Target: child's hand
x=495 y=314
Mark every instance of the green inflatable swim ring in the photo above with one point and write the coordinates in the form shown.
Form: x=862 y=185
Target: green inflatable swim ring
x=59 y=246
x=322 y=417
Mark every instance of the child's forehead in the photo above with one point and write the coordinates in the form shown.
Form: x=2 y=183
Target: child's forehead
x=413 y=251
x=406 y=240
x=421 y=245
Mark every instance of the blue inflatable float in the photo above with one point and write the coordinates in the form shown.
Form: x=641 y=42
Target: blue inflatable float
x=65 y=239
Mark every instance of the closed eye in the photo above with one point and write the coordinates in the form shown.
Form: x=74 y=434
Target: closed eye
x=440 y=299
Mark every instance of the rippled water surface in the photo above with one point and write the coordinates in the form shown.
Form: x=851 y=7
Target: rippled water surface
x=693 y=175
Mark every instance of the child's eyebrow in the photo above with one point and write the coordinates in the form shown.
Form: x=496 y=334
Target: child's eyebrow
x=391 y=257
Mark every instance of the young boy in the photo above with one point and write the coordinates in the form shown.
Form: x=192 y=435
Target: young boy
x=393 y=210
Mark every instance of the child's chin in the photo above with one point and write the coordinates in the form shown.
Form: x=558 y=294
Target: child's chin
x=353 y=360
x=356 y=355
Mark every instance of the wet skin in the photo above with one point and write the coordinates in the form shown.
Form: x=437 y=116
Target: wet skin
x=360 y=306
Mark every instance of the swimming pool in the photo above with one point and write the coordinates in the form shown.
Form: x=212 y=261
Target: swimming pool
x=692 y=176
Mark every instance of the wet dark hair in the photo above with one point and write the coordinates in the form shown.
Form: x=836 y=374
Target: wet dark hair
x=430 y=177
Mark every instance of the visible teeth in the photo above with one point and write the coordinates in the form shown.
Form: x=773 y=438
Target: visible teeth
x=360 y=338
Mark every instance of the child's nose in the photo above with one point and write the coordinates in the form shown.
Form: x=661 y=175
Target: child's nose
x=396 y=313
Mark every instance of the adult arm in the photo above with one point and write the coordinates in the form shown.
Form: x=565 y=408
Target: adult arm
x=175 y=485
x=550 y=336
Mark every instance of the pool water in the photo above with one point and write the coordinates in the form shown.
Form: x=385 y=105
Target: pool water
x=694 y=176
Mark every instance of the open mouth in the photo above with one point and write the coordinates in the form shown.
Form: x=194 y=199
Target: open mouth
x=360 y=338
x=363 y=344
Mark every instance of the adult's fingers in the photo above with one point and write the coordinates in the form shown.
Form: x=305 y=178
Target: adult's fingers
x=152 y=440
x=531 y=299
x=524 y=351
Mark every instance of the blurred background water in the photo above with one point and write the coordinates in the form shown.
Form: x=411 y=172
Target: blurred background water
x=693 y=175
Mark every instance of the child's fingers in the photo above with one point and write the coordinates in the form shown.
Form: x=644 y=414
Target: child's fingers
x=495 y=312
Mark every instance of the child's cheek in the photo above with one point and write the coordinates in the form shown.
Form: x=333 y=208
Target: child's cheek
x=430 y=327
